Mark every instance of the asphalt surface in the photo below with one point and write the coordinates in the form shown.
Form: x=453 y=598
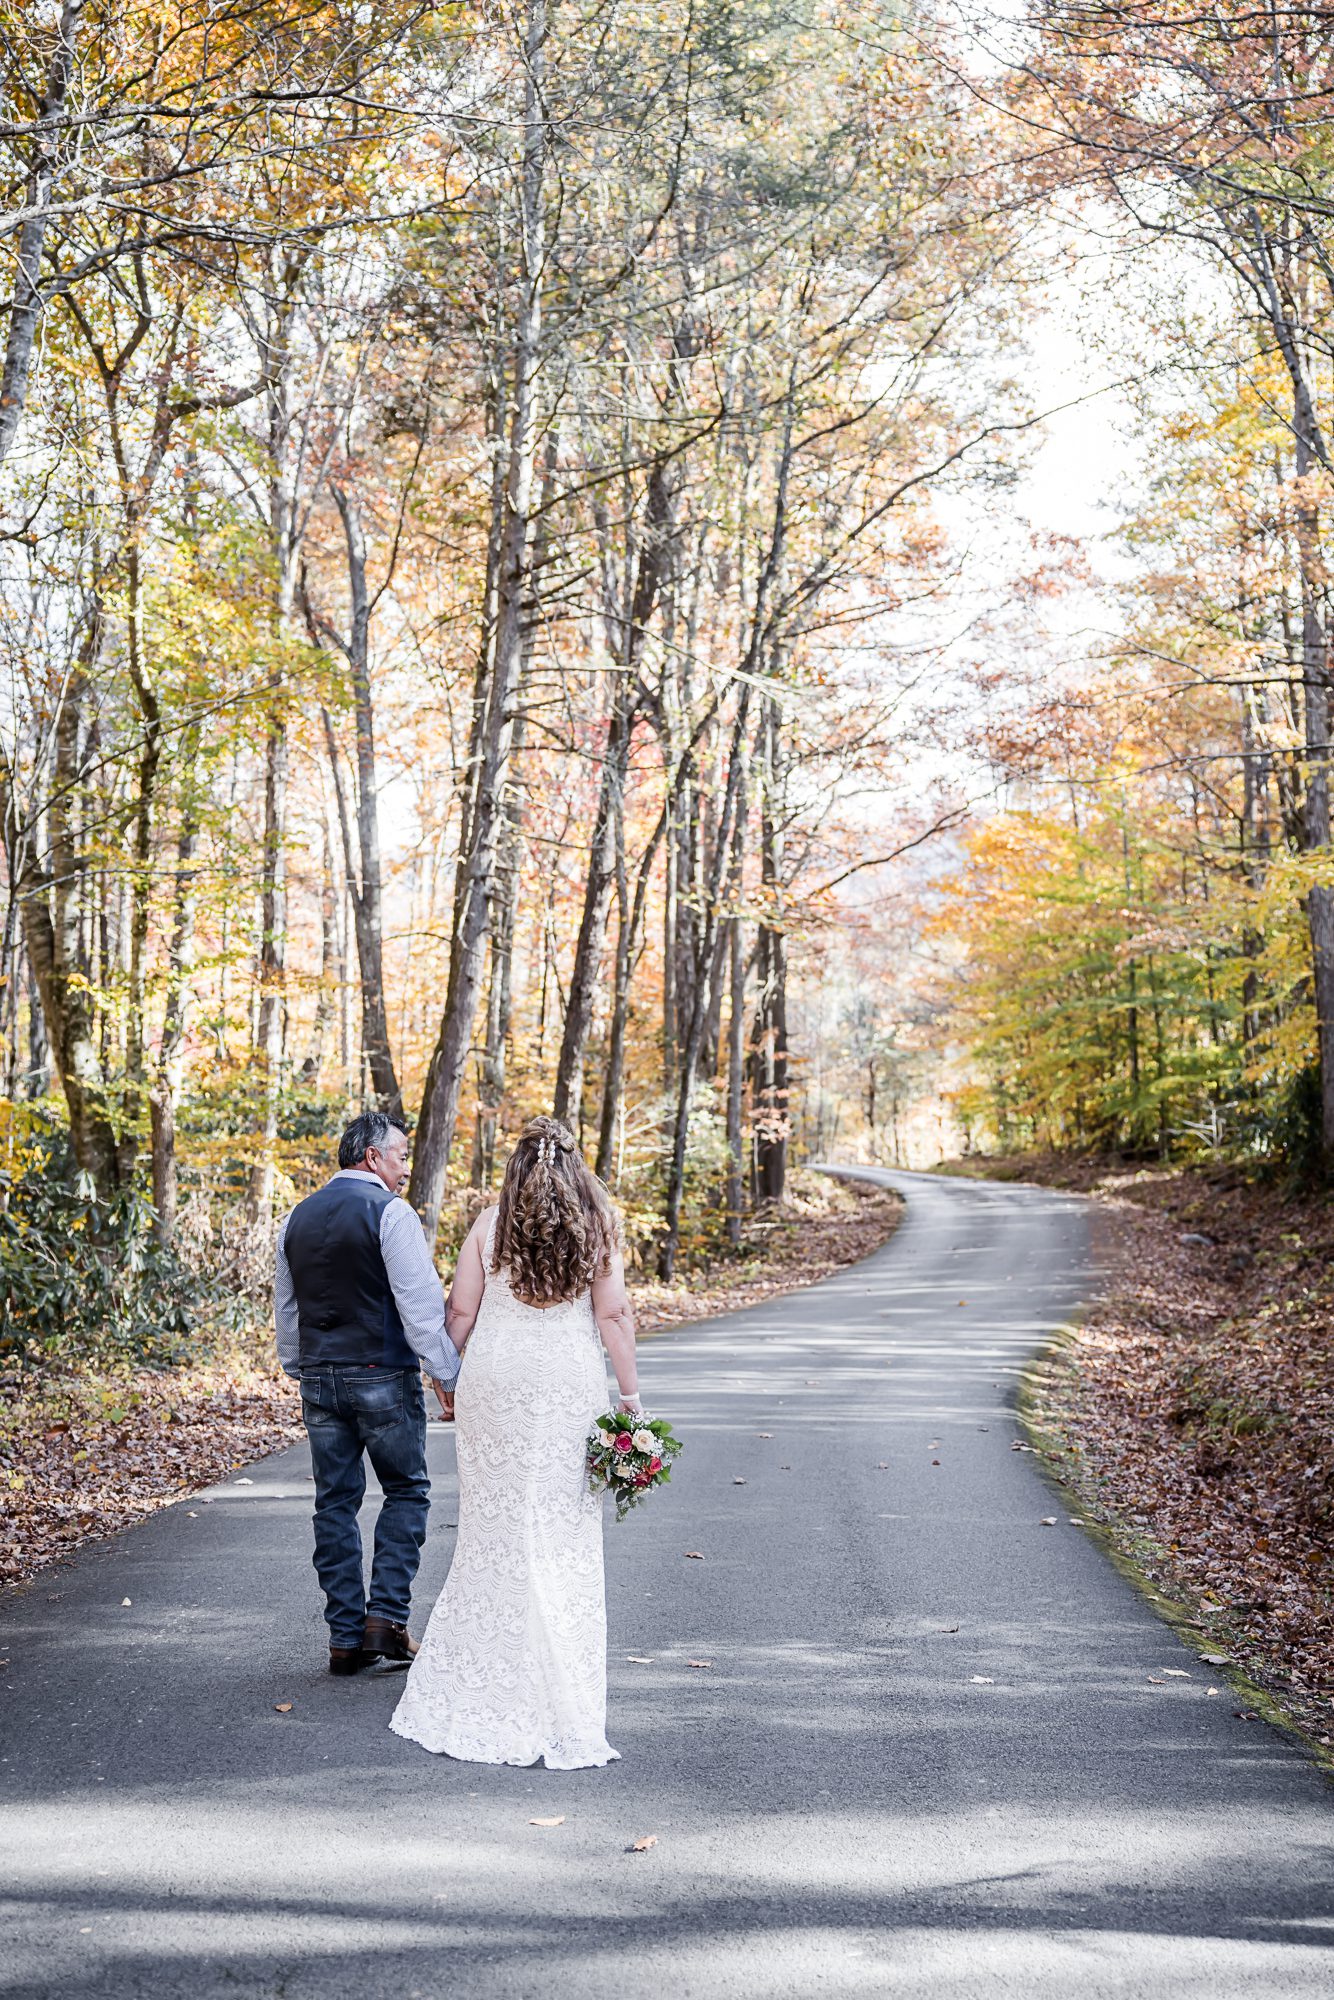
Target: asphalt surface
x=927 y=1758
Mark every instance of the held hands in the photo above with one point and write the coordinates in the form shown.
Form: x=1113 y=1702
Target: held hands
x=445 y=1398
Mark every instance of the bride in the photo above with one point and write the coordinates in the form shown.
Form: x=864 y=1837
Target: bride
x=513 y=1665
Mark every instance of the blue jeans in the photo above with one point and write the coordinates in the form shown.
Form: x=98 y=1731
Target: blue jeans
x=351 y=1413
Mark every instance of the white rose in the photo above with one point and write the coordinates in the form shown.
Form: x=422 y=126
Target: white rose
x=621 y=1470
x=645 y=1441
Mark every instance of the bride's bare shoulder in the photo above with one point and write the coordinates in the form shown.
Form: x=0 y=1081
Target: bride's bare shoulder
x=481 y=1227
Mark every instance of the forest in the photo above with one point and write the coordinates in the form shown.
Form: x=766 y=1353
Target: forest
x=491 y=619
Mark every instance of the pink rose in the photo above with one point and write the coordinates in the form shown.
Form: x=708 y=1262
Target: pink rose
x=655 y=1465
x=643 y=1479
x=625 y=1442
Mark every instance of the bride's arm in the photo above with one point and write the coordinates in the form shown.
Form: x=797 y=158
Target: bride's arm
x=465 y=1294
x=616 y=1324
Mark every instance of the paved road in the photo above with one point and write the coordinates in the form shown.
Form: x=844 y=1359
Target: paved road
x=926 y=1760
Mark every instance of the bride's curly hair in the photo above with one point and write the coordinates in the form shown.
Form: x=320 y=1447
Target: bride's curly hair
x=556 y=1230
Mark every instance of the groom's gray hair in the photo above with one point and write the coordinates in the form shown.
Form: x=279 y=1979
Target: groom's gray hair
x=367 y=1129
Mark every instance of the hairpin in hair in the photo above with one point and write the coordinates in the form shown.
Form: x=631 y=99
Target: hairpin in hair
x=546 y=1151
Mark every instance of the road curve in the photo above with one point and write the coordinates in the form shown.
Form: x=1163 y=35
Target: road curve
x=941 y=1749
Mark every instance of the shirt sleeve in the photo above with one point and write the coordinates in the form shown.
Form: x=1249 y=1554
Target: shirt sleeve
x=285 y=1323
x=417 y=1290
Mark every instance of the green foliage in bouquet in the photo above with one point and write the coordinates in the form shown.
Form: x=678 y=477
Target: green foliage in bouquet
x=622 y=1463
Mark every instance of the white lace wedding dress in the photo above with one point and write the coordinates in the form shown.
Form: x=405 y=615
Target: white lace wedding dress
x=513 y=1665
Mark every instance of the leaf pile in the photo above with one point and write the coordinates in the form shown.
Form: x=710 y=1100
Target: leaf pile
x=1194 y=1409
x=81 y=1457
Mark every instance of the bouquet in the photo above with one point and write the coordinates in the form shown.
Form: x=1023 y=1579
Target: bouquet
x=628 y=1455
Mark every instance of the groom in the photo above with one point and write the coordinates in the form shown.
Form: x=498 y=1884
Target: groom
x=360 y=1312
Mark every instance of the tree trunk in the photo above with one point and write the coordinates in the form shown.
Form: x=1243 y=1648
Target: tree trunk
x=628 y=935
x=736 y=1042
x=9 y=998
x=49 y=903
x=141 y=880
x=326 y=1006
x=709 y=927
x=365 y=879
x=669 y=1012
x=1315 y=820
x=270 y=1026
x=770 y=1109
x=39 y=1047
x=175 y=1023
x=504 y=913
x=477 y=859
x=608 y=834
x=736 y=1080
x=26 y=309
x=1255 y=843
x=284 y=536
x=491 y=1078
x=710 y=1048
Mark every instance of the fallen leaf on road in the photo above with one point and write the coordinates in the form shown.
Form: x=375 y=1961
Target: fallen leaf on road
x=982 y=1680
x=1155 y=1680
x=699 y=1663
x=695 y=1555
x=559 y=1820
x=1214 y=1659
x=1048 y=1521
x=947 y=1628
x=643 y=1844
x=963 y=1302
x=738 y=1482
x=640 y=1659
x=124 y=1601
x=1177 y=1673
x=283 y=1707
x=1211 y=1690
x=935 y=1461
x=243 y=1482
x=882 y=1465
x=1245 y=1715
x=764 y=1434
x=190 y=1514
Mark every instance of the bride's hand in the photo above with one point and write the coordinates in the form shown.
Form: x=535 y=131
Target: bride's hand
x=631 y=1406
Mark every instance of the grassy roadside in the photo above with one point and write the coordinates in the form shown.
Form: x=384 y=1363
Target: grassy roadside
x=83 y=1455
x=1190 y=1415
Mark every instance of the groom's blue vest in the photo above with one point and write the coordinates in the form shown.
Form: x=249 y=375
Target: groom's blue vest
x=345 y=1305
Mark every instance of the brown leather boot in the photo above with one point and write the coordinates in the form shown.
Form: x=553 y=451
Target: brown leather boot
x=348 y=1659
x=387 y=1641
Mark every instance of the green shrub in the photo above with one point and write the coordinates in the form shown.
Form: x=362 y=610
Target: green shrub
x=83 y=1280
